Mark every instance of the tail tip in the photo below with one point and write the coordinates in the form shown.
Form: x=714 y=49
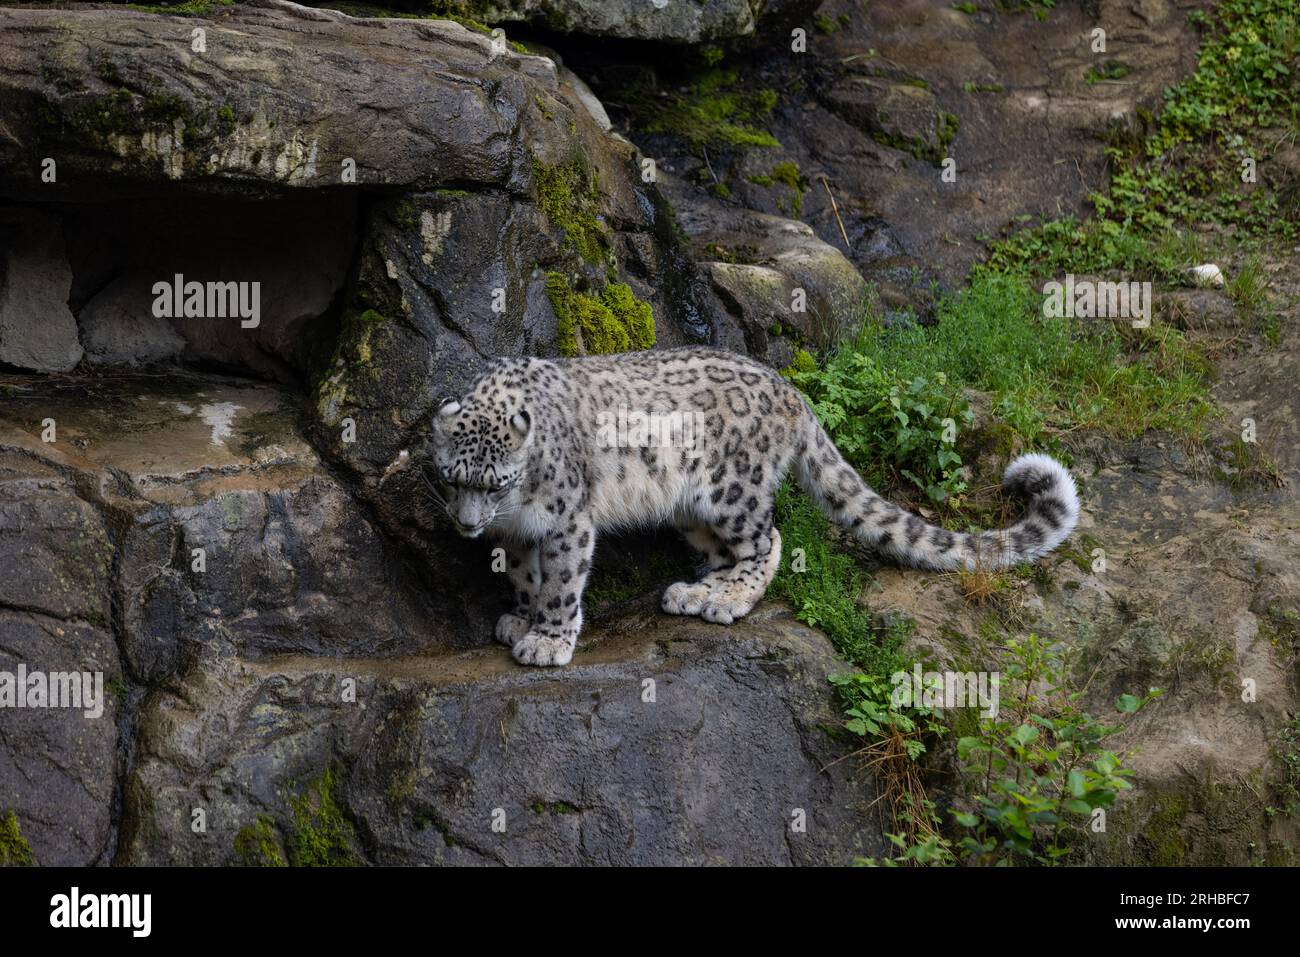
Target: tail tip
x=1036 y=474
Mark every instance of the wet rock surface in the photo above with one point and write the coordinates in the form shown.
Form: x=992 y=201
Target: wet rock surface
x=883 y=93
x=768 y=266
x=37 y=331
x=668 y=743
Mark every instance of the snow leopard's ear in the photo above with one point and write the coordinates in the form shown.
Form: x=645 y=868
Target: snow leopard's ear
x=448 y=407
x=521 y=423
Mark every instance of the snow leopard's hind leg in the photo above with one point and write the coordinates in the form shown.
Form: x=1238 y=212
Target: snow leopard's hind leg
x=523 y=569
x=688 y=598
x=731 y=591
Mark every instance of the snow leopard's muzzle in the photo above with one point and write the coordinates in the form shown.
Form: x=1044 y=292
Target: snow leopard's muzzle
x=471 y=511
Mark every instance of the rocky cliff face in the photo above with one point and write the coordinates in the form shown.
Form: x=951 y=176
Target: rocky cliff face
x=296 y=651
x=267 y=613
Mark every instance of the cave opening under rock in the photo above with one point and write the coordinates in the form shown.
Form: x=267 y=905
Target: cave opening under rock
x=81 y=287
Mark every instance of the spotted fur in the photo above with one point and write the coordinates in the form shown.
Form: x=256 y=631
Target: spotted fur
x=523 y=458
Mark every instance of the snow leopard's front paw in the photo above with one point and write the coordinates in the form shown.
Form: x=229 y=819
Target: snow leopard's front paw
x=535 y=649
x=685 y=598
x=510 y=628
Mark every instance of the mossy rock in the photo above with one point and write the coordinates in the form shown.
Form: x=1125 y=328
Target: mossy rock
x=616 y=321
x=14 y=849
x=258 y=846
x=320 y=835
x=569 y=196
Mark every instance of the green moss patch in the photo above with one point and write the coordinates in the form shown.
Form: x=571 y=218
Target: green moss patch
x=945 y=131
x=183 y=8
x=553 y=807
x=616 y=321
x=713 y=111
x=569 y=196
x=14 y=849
x=257 y=846
x=320 y=835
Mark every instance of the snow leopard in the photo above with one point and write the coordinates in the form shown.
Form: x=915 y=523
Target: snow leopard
x=540 y=456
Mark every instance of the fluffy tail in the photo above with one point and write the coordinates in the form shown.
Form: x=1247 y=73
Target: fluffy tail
x=1050 y=516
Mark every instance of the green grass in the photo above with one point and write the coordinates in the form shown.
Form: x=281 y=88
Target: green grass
x=1098 y=247
x=883 y=394
x=824 y=594
x=1047 y=376
x=1248 y=287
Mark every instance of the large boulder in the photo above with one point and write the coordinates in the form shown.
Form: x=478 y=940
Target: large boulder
x=277 y=96
x=37 y=331
x=226 y=527
x=773 y=281
x=693 y=22
x=58 y=765
x=666 y=21
x=397 y=189
x=666 y=742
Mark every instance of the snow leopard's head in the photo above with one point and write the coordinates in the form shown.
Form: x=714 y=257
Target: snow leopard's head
x=480 y=448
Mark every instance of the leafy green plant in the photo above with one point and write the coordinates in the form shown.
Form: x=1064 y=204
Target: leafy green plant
x=884 y=396
x=1110 y=70
x=1036 y=770
x=1286 y=787
x=1041 y=762
x=889 y=427
x=896 y=739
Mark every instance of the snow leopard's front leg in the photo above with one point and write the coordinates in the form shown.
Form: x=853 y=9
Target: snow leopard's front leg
x=524 y=572
x=565 y=560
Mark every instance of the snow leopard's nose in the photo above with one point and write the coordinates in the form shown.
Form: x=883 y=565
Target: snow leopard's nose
x=471 y=512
